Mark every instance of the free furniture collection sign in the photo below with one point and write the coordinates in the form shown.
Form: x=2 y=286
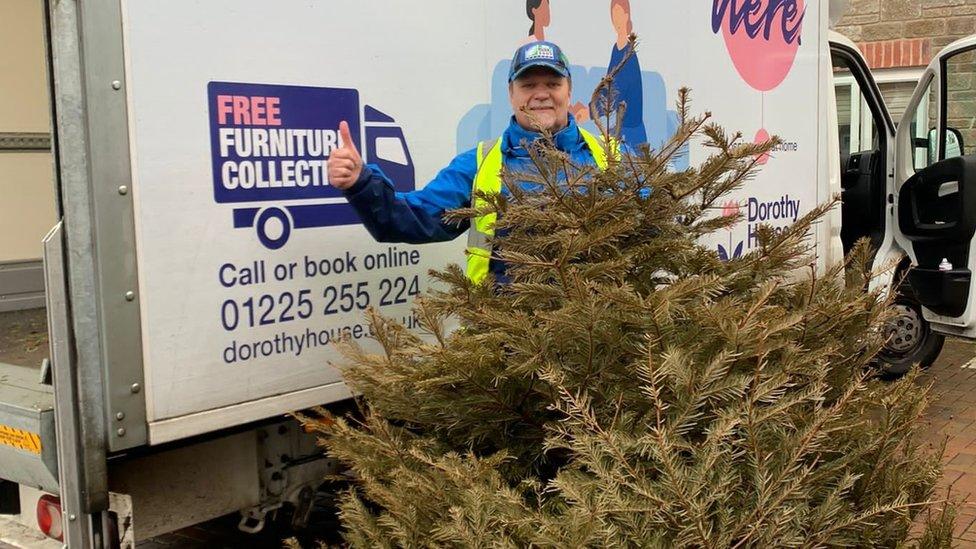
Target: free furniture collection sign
x=251 y=265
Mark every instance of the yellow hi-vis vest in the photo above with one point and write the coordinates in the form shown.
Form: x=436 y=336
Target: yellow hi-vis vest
x=488 y=180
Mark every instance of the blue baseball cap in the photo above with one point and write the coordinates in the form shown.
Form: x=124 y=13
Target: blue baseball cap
x=538 y=54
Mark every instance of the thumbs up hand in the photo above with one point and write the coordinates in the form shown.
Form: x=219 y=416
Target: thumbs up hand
x=345 y=164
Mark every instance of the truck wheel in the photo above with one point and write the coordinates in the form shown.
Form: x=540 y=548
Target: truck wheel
x=910 y=340
x=261 y=224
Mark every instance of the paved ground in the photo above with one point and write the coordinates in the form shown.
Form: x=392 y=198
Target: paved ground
x=23 y=337
x=15 y=535
x=952 y=417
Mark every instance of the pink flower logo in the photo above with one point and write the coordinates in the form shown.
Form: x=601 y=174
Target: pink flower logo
x=729 y=209
x=762 y=136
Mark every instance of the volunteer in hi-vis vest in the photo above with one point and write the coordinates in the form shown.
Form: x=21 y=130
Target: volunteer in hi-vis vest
x=539 y=81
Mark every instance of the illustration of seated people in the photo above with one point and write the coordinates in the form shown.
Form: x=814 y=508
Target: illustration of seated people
x=646 y=120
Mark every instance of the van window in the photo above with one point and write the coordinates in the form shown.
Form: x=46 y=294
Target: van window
x=960 y=115
x=923 y=131
x=855 y=122
x=391 y=149
x=898 y=94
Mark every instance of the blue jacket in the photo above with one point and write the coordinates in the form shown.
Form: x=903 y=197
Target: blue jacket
x=416 y=217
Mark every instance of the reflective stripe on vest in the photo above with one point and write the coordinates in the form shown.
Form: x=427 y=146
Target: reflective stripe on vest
x=488 y=180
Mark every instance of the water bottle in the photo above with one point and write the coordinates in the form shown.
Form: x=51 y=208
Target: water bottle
x=945 y=265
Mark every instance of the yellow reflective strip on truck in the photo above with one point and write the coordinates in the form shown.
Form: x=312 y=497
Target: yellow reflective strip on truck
x=20 y=439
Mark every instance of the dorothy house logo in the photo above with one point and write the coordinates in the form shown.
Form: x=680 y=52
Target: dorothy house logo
x=762 y=38
x=778 y=214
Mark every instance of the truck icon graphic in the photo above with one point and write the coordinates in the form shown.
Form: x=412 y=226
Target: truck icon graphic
x=270 y=145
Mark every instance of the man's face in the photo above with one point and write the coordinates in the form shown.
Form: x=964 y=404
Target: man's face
x=545 y=96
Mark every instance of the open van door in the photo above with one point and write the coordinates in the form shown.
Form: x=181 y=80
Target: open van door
x=935 y=181
x=864 y=145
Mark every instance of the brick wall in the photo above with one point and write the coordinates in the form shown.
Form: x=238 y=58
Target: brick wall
x=907 y=33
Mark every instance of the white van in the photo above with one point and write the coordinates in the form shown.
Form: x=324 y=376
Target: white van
x=179 y=341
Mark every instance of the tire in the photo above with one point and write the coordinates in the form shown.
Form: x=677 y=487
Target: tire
x=910 y=340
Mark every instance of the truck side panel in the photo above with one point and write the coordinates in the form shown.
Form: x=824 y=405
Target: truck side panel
x=229 y=321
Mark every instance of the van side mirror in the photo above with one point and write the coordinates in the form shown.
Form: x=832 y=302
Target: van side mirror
x=953 y=144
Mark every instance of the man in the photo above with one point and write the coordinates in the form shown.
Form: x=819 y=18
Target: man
x=539 y=89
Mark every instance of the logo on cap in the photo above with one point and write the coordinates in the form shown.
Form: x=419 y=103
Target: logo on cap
x=540 y=51
x=536 y=54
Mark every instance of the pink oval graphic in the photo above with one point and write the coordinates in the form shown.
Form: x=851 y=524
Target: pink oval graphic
x=762 y=37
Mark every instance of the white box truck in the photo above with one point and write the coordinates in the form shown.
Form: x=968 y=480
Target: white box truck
x=179 y=343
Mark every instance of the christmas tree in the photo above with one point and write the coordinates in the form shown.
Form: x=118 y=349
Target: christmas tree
x=629 y=387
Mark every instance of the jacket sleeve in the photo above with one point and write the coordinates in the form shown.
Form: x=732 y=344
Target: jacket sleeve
x=414 y=217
